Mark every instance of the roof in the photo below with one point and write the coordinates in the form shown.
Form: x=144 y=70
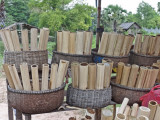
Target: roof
x=126 y=26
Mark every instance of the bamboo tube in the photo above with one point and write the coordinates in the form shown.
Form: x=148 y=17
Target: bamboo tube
x=53 y=76
x=158 y=77
x=34 y=34
x=112 y=43
x=130 y=43
x=67 y=64
x=148 y=78
x=143 y=111
x=88 y=42
x=152 y=45
x=123 y=105
x=134 y=110
x=120 y=116
x=125 y=45
x=15 y=77
x=25 y=40
x=142 y=118
x=157 y=114
x=3 y=37
x=92 y=75
x=141 y=77
x=103 y=43
x=153 y=107
x=154 y=76
x=106 y=115
x=35 y=78
x=15 y=41
x=75 y=74
x=41 y=39
x=9 y=40
x=127 y=111
x=137 y=46
x=157 y=48
x=100 y=75
x=65 y=41
x=145 y=44
x=45 y=71
x=125 y=74
x=107 y=75
x=46 y=38
x=119 y=72
x=8 y=76
x=72 y=43
x=84 y=39
x=109 y=61
x=59 y=41
x=62 y=69
x=79 y=42
x=149 y=45
x=133 y=76
x=107 y=46
x=83 y=76
x=120 y=41
x=25 y=76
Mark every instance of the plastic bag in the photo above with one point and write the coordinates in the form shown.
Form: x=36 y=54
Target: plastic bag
x=154 y=94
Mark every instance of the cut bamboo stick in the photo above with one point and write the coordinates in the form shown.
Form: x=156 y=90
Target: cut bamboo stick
x=103 y=43
x=92 y=75
x=142 y=118
x=15 y=41
x=157 y=115
x=59 y=41
x=134 y=110
x=34 y=36
x=100 y=75
x=107 y=46
x=120 y=41
x=127 y=111
x=148 y=78
x=72 y=43
x=83 y=75
x=109 y=61
x=75 y=74
x=130 y=43
x=119 y=72
x=149 y=45
x=9 y=40
x=133 y=76
x=123 y=105
x=137 y=46
x=120 y=116
x=41 y=39
x=53 y=76
x=106 y=115
x=45 y=72
x=46 y=38
x=88 y=42
x=152 y=46
x=125 y=45
x=153 y=107
x=145 y=44
x=35 y=78
x=65 y=41
x=125 y=74
x=157 y=48
x=107 y=75
x=79 y=42
x=141 y=77
x=66 y=69
x=154 y=76
x=8 y=76
x=158 y=77
x=25 y=40
x=4 y=39
x=112 y=43
x=25 y=76
x=143 y=111
x=15 y=77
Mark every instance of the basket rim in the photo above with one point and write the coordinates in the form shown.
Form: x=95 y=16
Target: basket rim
x=36 y=92
x=24 y=51
x=128 y=88
x=132 y=52
x=74 y=55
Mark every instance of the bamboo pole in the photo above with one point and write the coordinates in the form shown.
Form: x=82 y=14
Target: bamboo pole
x=15 y=77
x=15 y=41
x=25 y=40
x=125 y=74
x=41 y=39
x=120 y=41
x=125 y=45
x=127 y=111
x=8 y=75
x=148 y=78
x=103 y=43
x=35 y=78
x=92 y=75
x=34 y=36
x=46 y=38
x=4 y=39
x=45 y=72
x=158 y=77
x=133 y=76
x=145 y=44
x=107 y=75
x=134 y=110
x=100 y=75
x=123 y=105
x=154 y=76
x=79 y=42
x=157 y=48
x=59 y=41
x=75 y=74
x=153 y=107
x=109 y=61
x=65 y=41
x=72 y=43
x=25 y=76
x=143 y=111
x=137 y=46
x=120 y=116
x=83 y=76
x=88 y=43
x=157 y=115
x=53 y=76
x=119 y=72
x=107 y=46
x=152 y=45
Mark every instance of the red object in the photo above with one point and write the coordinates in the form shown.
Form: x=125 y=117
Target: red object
x=154 y=94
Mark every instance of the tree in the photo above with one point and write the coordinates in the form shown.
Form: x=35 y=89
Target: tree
x=159 y=7
x=112 y=16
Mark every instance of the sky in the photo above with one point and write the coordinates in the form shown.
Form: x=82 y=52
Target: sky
x=129 y=5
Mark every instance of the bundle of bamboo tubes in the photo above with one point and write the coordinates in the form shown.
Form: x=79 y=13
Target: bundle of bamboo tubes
x=149 y=45
x=56 y=76
x=113 y=44
x=79 y=42
x=136 y=76
x=12 y=43
x=91 y=76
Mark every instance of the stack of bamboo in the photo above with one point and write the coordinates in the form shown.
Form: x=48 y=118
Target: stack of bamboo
x=12 y=43
x=74 y=43
x=135 y=76
x=149 y=45
x=57 y=76
x=113 y=44
x=157 y=65
x=91 y=76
